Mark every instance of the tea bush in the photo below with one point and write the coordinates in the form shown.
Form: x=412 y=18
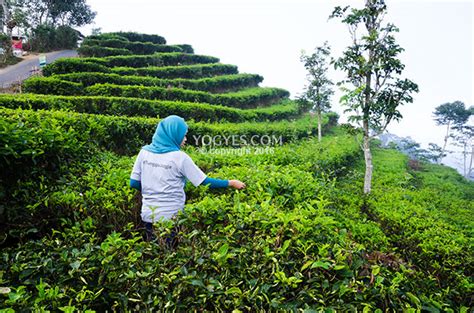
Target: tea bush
x=247 y=98
x=151 y=108
x=131 y=47
x=97 y=51
x=222 y=83
x=71 y=65
x=301 y=237
x=124 y=135
x=194 y=71
x=132 y=36
x=52 y=85
x=157 y=59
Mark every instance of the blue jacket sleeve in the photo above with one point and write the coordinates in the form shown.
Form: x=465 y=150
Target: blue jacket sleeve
x=215 y=183
x=136 y=184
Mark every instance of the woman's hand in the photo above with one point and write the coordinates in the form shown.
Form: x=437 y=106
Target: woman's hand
x=237 y=184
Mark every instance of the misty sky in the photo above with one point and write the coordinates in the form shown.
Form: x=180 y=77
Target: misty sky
x=266 y=37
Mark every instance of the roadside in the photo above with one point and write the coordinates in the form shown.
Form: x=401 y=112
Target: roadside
x=14 y=74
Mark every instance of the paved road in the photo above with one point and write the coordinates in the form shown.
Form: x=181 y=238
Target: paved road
x=23 y=70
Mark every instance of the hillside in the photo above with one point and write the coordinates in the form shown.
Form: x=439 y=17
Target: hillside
x=301 y=236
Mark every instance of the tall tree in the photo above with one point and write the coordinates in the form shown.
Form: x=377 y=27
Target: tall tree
x=464 y=137
x=4 y=15
x=373 y=89
x=52 y=12
x=6 y=25
x=318 y=90
x=453 y=115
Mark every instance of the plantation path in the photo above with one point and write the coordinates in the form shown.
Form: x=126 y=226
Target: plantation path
x=25 y=68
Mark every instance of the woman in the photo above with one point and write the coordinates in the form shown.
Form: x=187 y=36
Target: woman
x=160 y=172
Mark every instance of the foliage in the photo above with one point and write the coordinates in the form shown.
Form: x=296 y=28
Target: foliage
x=161 y=59
x=48 y=23
x=97 y=51
x=132 y=47
x=6 y=58
x=152 y=108
x=318 y=90
x=47 y=38
x=373 y=89
x=247 y=98
x=372 y=68
x=301 y=237
x=455 y=115
x=413 y=150
x=139 y=37
x=33 y=13
x=464 y=137
x=196 y=71
x=70 y=65
x=222 y=83
x=182 y=71
x=125 y=135
x=298 y=256
x=51 y=85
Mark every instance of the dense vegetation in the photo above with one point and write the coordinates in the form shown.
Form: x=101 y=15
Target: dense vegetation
x=301 y=236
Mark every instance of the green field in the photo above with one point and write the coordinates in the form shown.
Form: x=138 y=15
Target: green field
x=301 y=237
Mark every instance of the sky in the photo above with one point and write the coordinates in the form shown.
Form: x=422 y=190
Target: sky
x=267 y=37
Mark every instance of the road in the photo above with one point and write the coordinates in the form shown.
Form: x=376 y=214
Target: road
x=23 y=69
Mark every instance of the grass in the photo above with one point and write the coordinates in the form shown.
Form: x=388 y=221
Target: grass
x=11 y=60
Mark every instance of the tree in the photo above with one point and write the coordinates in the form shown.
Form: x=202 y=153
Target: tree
x=465 y=139
x=32 y=13
x=436 y=153
x=372 y=88
x=453 y=115
x=8 y=23
x=48 y=23
x=318 y=91
x=4 y=15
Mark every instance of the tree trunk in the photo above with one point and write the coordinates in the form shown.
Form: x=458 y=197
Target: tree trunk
x=469 y=170
x=445 y=142
x=4 y=20
x=319 y=125
x=464 y=155
x=368 y=160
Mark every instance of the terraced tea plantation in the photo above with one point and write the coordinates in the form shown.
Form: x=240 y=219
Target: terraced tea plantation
x=301 y=236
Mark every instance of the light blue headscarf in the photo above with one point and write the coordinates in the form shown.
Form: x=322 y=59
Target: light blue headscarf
x=168 y=136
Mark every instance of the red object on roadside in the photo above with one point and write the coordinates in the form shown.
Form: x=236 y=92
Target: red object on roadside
x=17 y=44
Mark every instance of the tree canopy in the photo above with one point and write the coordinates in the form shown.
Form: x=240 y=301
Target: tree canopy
x=454 y=113
x=32 y=13
x=318 y=90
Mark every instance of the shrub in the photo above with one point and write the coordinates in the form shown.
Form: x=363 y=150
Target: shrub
x=214 y=84
x=124 y=135
x=43 y=38
x=47 y=38
x=51 y=85
x=149 y=108
x=182 y=71
x=71 y=65
x=133 y=47
x=247 y=98
x=160 y=59
x=96 y=51
x=66 y=37
x=186 y=48
x=140 y=37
